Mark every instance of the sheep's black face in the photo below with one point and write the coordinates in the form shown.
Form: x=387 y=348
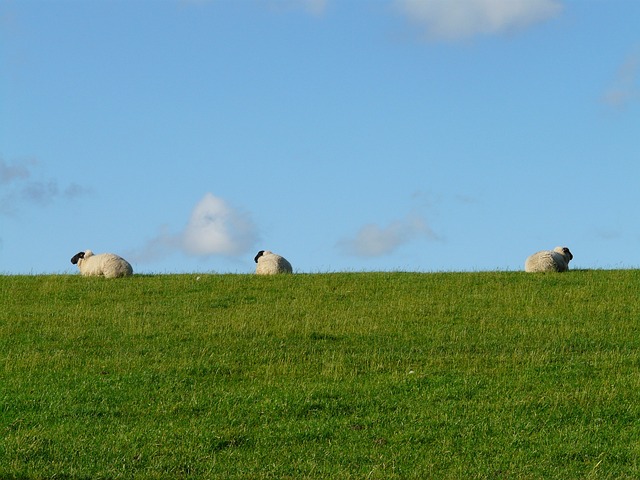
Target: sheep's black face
x=566 y=251
x=258 y=256
x=77 y=257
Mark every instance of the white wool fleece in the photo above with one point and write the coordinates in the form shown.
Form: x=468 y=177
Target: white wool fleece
x=269 y=263
x=556 y=260
x=108 y=265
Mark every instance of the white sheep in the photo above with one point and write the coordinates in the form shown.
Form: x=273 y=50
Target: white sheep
x=103 y=264
x=268 y=263
x=556 y=260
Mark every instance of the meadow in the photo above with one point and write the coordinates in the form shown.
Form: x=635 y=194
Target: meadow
x=338 y=375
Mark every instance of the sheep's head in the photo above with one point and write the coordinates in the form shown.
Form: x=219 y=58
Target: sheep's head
x=76 y=257
x=564 y=251
x=260 y=253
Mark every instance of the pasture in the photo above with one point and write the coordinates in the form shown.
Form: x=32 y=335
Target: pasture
x=339 y=375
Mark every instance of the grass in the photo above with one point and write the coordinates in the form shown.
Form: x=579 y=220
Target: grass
x=345 y=375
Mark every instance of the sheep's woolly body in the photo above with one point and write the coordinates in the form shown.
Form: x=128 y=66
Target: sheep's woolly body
x=556 y=260
x=269 y=263
x=103 y=264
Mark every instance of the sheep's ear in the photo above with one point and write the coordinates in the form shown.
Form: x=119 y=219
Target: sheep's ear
x=258 y=256
x=77 y=257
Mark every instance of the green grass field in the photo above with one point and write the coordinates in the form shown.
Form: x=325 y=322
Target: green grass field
x=344 y=375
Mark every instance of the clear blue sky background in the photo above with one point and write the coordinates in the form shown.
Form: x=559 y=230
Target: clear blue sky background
x=422 y=135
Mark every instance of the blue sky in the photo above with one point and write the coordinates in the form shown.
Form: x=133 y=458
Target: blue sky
x=421 y=135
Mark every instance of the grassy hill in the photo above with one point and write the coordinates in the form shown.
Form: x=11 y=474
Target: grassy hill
x=345 y=375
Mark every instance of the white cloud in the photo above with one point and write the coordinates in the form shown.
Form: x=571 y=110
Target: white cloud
x=374 y=241
x=624 y=88
x=452 y=20
x=214 y=228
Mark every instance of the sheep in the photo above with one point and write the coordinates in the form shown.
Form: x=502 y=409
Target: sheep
x=103 y=264
x=556 y=260
x=268 y=263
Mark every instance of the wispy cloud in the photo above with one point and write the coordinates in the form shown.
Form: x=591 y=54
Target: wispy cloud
x=20 y=187
x=75 y=190
x=164 y=244
x=214 y=228
x=316 y=7
x=374 y=241
x=603 y=233
x=452 y=20
x=40 y=193
x=187 y=3
x=313 y=7
x=14 y=172
x=624 y=88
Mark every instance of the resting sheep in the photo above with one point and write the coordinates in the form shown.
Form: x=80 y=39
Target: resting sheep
x=103 y=264
x=556 y=260
x=269 y=263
